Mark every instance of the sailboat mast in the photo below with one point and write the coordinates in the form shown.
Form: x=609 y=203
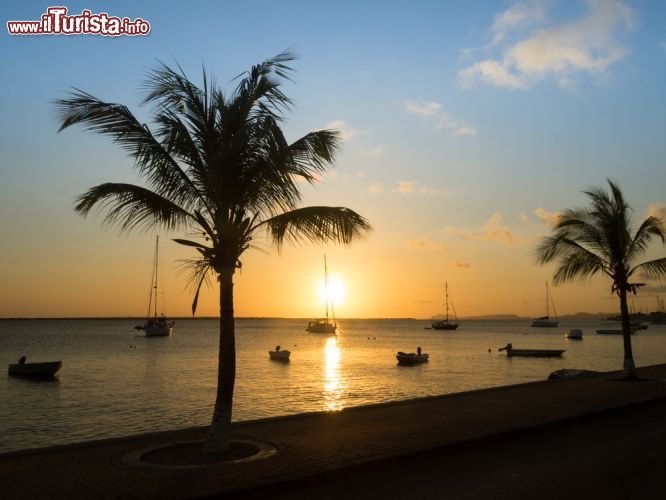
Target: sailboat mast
x=446 y=288
x=326 y=286
x=548 y=304
x=157 y=242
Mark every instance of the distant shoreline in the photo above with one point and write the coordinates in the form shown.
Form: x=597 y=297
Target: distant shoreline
x=489 y=317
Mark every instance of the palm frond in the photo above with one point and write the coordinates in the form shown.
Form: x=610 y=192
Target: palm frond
x=581 y=266
x=198 y=273
x=131 y=207
x=575 y=261
x=116 y=121
x=170 y=89
x=649 y=229
x=258 y=84
x=312 y=153
x=598 y=239
x=653 y=269
x=317 y=224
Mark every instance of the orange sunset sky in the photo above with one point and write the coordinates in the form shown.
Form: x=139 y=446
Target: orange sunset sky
x=466 y=129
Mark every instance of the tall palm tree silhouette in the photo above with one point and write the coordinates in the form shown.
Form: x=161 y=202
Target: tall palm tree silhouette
x=600 y=239
x=218 y=165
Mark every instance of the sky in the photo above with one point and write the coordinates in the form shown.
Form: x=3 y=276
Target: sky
x=467 y=127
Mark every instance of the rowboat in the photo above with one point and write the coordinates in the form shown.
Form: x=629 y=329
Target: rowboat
x=44 y=370
x=531 y=353
x=411 y=358
x=279 y=355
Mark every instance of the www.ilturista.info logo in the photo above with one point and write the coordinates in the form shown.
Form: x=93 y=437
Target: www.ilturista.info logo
x=55 y=21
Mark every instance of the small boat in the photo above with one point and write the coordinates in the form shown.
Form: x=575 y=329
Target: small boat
x=546 y=321
x=411 y=358
x=279 y=355
x=574 y=334
x=531 y=353
x=155 y=326
x=614 y=331
x=445 y=324
x=323 y=325
x=38 y=370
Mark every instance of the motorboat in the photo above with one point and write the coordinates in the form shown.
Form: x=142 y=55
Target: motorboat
x=531 y=353
x=411 y=358
x=37 y=370
x=574 y=334
x=613 y=331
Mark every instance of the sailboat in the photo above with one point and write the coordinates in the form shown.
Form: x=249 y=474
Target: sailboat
x=546 y=321
x=155 y=326
x=323 y=325
x=445 y=324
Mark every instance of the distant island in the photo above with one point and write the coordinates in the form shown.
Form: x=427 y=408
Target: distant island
x=511 y=317
x=579 y=316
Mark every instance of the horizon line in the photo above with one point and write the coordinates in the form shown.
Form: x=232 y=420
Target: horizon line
x=507 y=316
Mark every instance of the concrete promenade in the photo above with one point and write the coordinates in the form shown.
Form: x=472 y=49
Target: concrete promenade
x=325 y=445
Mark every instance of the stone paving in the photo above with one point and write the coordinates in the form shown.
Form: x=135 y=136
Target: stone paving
x=320 y=443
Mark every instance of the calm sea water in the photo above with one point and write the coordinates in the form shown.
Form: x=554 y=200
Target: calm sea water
x=115 y=382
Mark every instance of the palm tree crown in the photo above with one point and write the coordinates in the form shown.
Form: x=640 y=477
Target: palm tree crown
x=219 y=165
x=600 y=239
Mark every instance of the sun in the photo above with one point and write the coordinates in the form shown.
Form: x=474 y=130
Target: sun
x=337 y=291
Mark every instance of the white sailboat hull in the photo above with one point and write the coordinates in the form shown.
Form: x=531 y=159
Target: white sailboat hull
x=321 y=326
x=545 y=323
x=155 y=326
x=158 y=331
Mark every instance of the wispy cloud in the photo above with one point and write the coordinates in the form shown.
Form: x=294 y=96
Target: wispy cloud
x=561 y=51
x=409 y=187
x=492 y=230
x=426 y=245
x=524 y=218
x=550 y=219
x=663 y=45
x=657 y=210
x=460 y=264
x=346 y=133
x=405 y=187
x=375 y=188
x=435 y=111
x=519 y=15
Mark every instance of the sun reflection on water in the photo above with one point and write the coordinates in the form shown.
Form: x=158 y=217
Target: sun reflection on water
x=333 y=389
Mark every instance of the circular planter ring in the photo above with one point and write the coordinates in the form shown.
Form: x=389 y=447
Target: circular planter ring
x=135 y=458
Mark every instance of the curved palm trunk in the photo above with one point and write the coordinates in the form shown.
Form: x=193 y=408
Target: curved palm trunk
x=220 y=427
x=629 y=366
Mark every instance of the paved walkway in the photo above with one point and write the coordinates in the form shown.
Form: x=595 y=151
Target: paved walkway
x=321 y=443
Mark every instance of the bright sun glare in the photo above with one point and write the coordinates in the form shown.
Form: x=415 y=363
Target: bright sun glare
x=336 y=290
